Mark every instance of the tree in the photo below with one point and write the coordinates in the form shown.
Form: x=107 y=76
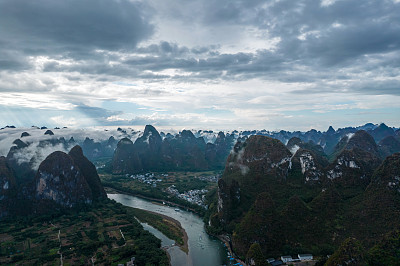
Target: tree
x=254 y=256
x=350 y=252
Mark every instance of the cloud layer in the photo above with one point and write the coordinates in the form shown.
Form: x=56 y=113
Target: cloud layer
x=275 y=64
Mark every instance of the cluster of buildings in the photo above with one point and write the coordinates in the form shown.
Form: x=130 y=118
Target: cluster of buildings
x=289 y=259
x=99 y=165
x=196 y=196
x=148 y=178
x=209 y=178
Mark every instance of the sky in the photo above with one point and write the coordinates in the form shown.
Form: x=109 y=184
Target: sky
x=204 y=64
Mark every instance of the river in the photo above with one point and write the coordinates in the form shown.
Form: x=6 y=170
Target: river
x=203 y=249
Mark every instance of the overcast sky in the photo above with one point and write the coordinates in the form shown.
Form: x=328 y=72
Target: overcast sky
x=205 y=64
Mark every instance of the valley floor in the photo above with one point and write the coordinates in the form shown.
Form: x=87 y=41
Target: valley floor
x=106 y=233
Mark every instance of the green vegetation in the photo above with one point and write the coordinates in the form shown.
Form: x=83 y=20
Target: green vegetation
x=254 y=256
x=387 y=251
x=350 y=252
x=183 y=181
x=290 y=218
x=384 y=252
x=285 y=214
x=164 y=224
x=105 y=233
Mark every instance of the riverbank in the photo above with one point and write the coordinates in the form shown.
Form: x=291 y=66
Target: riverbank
x=204 y=250
x=167 y=225
x=225 y=239
x=156 y=200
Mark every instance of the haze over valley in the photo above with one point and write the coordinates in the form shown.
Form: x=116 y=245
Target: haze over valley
x=240 y=183
x=203 y=132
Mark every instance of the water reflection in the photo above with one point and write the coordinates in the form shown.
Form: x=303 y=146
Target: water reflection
x=203 y=249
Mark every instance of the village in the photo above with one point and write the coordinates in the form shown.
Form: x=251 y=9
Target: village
x=195 y=196
x=302 y=259
x=211 y=178
x=148 y=178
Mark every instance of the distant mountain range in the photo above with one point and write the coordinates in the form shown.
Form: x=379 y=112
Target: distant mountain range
x=289 y=192
x=134 y=151
x=184 y=151
x=180 y=152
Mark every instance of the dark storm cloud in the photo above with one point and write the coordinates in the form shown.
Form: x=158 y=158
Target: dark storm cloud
x=164 y=48
x=71 y=26
x=317 y=43
x=334 y=33
x=11 y=65
x=12 y=60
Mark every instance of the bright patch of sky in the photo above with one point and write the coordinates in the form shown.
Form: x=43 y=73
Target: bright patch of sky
x=200 y=64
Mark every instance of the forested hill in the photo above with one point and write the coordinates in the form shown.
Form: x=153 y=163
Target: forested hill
x=295 y=199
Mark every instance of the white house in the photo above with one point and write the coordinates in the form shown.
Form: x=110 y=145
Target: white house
x=304 y=257
x=286 y=259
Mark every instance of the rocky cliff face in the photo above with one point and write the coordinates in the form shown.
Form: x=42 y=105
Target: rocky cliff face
x=313 y=201
x=262 y=164
x=23 y=169
x=140 y=156
x=185 y=151
x=89 y=172
x=124 y=159
x=250 y=169
x=60 y=180
x=362 y=140
x=65 y=180
x=357 y=158
x=182 y=152
x=7 y=187
x=263 y=155
x=388 y=173
x=94 y=150
x=228 y=200
x=310 y=165
x=353 y=167
x=308 y=158
x=217 y=152
x=25 y=157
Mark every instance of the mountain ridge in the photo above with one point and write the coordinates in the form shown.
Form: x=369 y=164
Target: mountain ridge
x=346 y=186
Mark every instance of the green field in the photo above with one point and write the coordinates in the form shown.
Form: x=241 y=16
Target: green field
x=105 y=233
